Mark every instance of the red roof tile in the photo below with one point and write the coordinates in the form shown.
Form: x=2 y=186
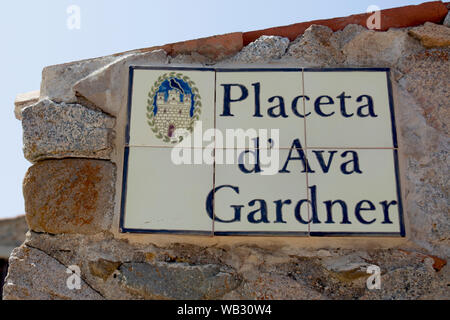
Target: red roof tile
x=401 y=17
x=228 y=44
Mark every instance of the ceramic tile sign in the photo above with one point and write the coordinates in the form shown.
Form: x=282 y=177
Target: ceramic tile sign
x=262 y=152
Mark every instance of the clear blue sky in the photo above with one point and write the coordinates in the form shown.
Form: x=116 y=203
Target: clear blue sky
x=34 y=34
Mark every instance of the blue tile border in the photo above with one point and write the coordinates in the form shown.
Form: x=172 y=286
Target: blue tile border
x=262 y=233
x=134 y=67
x=354 y=234
x=399 y=195
x=391 y=108
x=312 y=69
x=161 y=231
x=126 y=155
x=129 y=102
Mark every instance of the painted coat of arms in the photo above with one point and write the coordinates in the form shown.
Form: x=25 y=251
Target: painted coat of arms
x=173 y=106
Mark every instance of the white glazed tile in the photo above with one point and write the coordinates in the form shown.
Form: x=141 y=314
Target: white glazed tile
x=161 y=195
x=337 y=130
x=235 y=188
x=376 y=183
x=245 y=115
x=171 y=113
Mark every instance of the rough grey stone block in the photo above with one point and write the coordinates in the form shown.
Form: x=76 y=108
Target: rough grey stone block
x=177 y=280
x=52 y=130
x=419 y=78
x=264 y=49
x=70 y=196
x=375 y=48
x=315 y=47
x=34 y=275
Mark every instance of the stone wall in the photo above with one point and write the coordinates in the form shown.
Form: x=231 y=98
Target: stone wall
x=75 y=133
